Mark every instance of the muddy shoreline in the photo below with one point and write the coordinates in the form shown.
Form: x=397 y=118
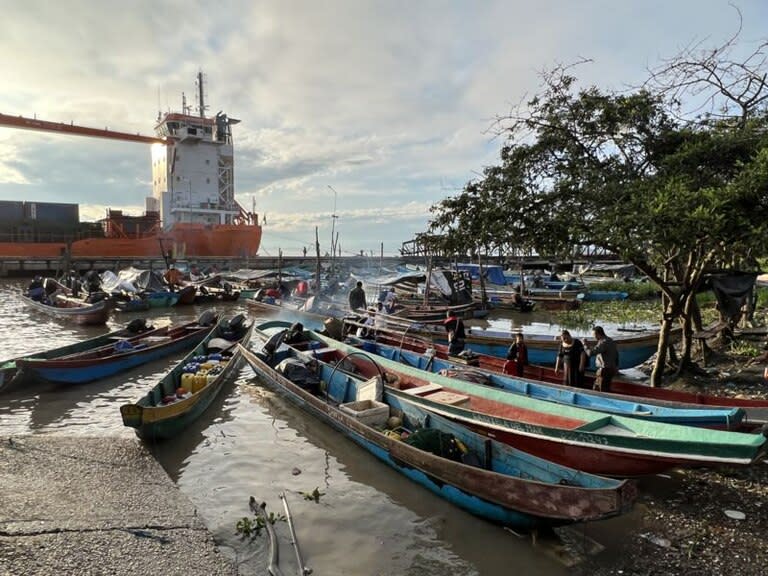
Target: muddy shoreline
x=705 y=521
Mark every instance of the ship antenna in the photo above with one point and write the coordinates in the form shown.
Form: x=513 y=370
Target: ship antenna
x=201 y=94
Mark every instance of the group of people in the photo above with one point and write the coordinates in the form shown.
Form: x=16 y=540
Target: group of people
x=573 y=356
x=45 y=289
x=375 y=317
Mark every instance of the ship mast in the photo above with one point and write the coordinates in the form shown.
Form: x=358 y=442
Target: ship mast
x=201 y=94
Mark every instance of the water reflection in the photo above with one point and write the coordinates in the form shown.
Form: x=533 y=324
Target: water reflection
x=361 y=490
x=371 y=520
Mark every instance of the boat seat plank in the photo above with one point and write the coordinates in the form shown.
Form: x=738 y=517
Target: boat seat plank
x=423 y=390
x=445 y=397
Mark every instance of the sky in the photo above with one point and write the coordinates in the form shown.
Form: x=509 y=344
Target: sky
x=370 y=110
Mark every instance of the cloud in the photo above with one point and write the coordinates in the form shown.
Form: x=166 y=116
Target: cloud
x=387 y=102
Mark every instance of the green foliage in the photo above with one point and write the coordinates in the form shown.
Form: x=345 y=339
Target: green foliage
x=635 y=290
x=625 y=313
x=744 y=348
x=252 y=527
x=314 y=496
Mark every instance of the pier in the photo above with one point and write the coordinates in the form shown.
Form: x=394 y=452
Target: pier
x=97 y=505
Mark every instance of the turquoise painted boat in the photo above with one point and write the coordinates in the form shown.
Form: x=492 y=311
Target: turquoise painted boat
x=484 y=477
x=756 y=409
x=585 y=439
x=721 y=418
x=162 y=299
x=11 y=376
x=120 y=354
x=176 y=401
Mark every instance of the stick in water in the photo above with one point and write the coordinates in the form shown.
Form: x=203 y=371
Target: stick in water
x=303 y=570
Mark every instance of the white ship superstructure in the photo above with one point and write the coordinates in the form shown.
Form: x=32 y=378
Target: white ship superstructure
x=193 y=172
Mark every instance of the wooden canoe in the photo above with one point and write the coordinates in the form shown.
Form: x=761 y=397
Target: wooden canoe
x=72 y=309
x=490 y=479
x=704 y=417
x=165 y=411
x=634 y=349
x=11 y=375
x=118 y=355
x=755 y=409
x=591 y=441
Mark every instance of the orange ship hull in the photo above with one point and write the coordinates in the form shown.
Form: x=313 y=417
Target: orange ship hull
x=182 y=241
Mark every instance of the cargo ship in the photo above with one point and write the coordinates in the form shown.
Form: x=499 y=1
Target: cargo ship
x=191 y=213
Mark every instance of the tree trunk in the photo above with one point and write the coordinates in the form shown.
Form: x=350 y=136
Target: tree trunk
x=483 y=293
x=661 y=351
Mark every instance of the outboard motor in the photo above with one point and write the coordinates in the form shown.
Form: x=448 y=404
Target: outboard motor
x=207 y=318
x=138 y=325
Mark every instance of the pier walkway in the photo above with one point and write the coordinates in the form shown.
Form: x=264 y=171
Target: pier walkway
x=96 y=506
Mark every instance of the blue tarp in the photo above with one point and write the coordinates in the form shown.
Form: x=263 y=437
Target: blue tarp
x=493 y=272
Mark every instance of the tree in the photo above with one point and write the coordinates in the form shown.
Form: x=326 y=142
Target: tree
x=624 y=172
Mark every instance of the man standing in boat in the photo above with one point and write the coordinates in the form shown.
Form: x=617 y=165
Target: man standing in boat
x=357 y=297
x=607 y=358
x=517 y=353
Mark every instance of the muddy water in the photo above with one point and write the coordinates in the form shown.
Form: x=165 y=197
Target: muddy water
x=251 y=442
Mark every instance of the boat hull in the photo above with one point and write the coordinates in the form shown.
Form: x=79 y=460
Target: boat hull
x=88 y=370
x=505 y=500
x=11 y=374
x=154 y=421
x=543 y=349
x=755 y=411
x=186 y=240
x=719 y=418
x=85 y=315
x=592 y=441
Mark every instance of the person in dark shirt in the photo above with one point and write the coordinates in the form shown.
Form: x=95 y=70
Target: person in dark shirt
x=357 y=297
x=573 y=357
x=456 y=335
x=606 y=357
x=518 y=353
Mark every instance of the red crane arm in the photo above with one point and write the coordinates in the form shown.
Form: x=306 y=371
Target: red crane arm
x=60 y=128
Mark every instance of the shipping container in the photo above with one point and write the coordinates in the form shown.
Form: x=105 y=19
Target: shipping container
x=11 y=211
x=64 y=215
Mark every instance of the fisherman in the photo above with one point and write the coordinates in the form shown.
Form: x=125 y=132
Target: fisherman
x=606 y=357
x=173 y=277
x=366 y=329
x=390 y=301
x=573 y=358
x=517 y=353
x=357 y=297
x=456 y=335
x=35 y=290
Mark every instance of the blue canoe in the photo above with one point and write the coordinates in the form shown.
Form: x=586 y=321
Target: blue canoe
x=11 y=374
x=118 y=355
x=633 y=349
x=487 y=478
x=721 y=418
